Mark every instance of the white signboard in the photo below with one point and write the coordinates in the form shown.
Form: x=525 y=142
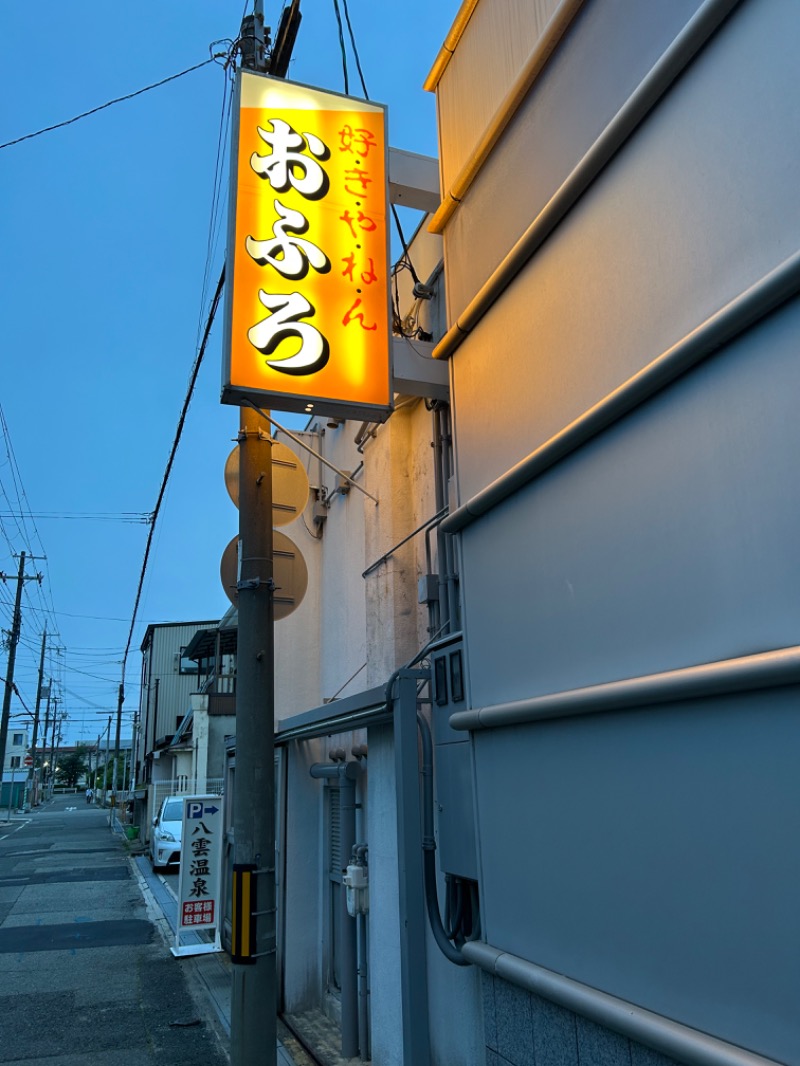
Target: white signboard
x=200 y=880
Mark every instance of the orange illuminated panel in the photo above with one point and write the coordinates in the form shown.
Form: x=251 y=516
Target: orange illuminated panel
x=308 y=298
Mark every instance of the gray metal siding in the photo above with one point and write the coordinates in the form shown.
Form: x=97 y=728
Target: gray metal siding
x=505 y=29
x=698 y=205
x=607 y=52
x=649 y=854
x=669 y=541
x=174 y=688
x=652 y=854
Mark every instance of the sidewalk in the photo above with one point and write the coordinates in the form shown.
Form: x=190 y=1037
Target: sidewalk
x=84 y=975
x=214 y=971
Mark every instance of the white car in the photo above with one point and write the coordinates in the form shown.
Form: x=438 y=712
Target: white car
x=165 y=838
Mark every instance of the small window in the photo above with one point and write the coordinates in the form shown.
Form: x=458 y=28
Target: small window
x=440 y=678
x=15 y=762
x=19 y=740
x=456 y=677
x=187 y=666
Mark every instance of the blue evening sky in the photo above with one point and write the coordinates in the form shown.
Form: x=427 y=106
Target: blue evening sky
x=104 y=233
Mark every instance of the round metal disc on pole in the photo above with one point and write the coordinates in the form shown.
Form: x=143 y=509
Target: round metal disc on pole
x=289 y=570
x=289 y=483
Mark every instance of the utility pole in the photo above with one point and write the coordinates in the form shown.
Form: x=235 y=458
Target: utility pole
x=93 y=780
x=254 y=998
x=30 y=786
x=120 y=701
x=16 y=626
x=53 y=746
x=105 y=765
x=254 y=992
x=44 y=735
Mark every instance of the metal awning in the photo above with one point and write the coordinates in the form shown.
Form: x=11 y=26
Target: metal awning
x=338 y=716
x=203 y=644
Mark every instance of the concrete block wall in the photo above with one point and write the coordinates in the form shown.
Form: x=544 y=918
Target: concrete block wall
x=523 y=1029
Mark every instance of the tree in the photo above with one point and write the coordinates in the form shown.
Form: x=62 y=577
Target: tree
x=72 y=766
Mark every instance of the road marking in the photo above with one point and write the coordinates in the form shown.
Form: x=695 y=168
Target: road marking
x=23 y=822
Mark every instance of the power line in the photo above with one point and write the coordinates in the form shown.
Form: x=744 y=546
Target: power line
x=342 y=47
x=117 y=100
x=173 y=451
x=395 y=213
x=355 y=49
x=138 y=517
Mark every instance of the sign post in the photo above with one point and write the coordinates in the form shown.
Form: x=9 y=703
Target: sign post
x=200 y=879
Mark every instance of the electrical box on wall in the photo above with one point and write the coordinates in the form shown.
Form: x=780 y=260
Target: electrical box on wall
x=454 y=783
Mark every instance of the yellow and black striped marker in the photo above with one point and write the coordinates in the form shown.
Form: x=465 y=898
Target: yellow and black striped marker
x=243 y=934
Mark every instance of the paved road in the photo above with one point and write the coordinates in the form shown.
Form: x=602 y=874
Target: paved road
x=85 y=976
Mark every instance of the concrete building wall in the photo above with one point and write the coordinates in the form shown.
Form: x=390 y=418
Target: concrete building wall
x=369 y=626
x=634 y=365
x=343 y=627
x=400 y=472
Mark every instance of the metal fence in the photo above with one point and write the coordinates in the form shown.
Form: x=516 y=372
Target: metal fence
x=184 y=786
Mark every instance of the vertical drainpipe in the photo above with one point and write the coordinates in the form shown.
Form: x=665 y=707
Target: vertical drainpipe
x=362 y=959
x=346 y=774
x=155 y=712
x=401 y=696
x=450 y=547
x=363 y=987
x=440 y=496
x=448 y=598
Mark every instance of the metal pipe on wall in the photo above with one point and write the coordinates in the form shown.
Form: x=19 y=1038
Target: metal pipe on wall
x=448 y=609
x=440 y=618
x=363 y=987
x=345 y=774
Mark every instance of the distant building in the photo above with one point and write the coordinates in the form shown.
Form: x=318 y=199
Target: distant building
x=16 y=750
x=169 y=680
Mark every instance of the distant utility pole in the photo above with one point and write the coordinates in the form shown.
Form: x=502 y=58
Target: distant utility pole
x=44 y=734
x=105 y=764
x=53 y=745
x=30 y=785
x=16 y=625
x=120 y=701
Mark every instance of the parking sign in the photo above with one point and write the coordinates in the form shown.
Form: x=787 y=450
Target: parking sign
x=200 y=880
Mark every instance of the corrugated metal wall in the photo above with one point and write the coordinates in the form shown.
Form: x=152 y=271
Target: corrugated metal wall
x=174 y=688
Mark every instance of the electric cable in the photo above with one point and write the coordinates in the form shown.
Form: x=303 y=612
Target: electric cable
x=134 y=517
x=168 y=470
x=403 y=241
x=17 y=693
x=218 y=187
x=110 y=103
x=355 y=49
x=342 y=46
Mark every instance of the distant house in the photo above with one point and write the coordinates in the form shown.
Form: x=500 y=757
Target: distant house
x=14 y=769
x=16 y=750
x=169 y=679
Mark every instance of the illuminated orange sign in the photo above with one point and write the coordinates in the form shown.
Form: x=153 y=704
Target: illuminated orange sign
x=307 y=325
